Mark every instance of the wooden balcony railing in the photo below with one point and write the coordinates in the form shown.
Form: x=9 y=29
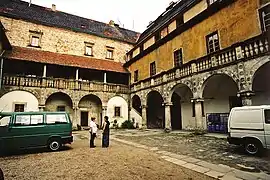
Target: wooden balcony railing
x=249 y=49
x=57 y=83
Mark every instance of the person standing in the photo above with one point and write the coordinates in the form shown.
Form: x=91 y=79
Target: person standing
x=106 y=132
x=93 y=132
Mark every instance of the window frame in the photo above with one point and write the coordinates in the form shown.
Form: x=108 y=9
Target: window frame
x=117 y=111
x=30 y=120
x=178 y=63
x=110 y=50
x=153 y=68
x=59 y=107
x=90 y=46
x=20 y=104
x=35 y=34
x=211 y=35
x=261 y=16
x=136 y=75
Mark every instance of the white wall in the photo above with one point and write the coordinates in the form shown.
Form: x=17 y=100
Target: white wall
x=187 y=120
x=137 y=117
x=8 y=101
x=121 y=102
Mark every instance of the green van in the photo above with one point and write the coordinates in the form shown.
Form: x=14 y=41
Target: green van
x=23 y=130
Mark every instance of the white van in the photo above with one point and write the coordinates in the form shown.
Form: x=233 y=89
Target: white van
x=250 y=126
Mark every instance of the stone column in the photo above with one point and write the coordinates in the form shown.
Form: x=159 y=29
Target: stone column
x=77 y=74
x=199 y=120
x=75 y=119
x=104 y=113
x=44 y=71
x=144 y=116
x=105 y=77
x=168 y=124
x=41 y=108
x=246 y=97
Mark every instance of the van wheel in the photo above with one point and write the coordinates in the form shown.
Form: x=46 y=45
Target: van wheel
x=252 y=147
x=54 y=144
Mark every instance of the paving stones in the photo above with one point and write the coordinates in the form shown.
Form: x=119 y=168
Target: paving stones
x=215 y=174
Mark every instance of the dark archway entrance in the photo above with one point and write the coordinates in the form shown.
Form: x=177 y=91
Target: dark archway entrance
x=176 y=118
x=155 y=111
x=136 y=104
x=261 y=87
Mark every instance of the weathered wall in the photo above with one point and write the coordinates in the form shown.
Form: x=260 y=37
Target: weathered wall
x=237 y=22
x=120 y=102
x=8 y=101
x=61 y=40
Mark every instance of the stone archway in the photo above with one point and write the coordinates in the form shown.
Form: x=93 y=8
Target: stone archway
x=181 y=109
x=260 y=86
x=19 y=100
x=220 y=95
x=90 y=106
x=59 y=101
x=155 y=111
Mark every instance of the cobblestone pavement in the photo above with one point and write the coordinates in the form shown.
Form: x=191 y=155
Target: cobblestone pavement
x=78 y=161
x=210 y=149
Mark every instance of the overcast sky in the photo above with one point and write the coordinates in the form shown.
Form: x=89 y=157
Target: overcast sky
x=141 y=12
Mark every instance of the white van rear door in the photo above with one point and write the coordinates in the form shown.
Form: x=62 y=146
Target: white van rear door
x=267 y=127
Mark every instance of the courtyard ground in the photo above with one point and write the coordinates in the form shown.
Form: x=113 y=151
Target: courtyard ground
x=207 y=148
x=78 y=161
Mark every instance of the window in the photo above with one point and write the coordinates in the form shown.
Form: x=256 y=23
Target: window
x=35 y=41
x=212 y=42
x=267 y=116
x=56 y=118
x=117 y=111
x=61 y=108
x=136 y=75
x=152 y=68
x=22 y=120
x=178 y=58
x=265 y=18
x=88 y=48
x=4 y=120
x=211 y=2
x=109 y=54
x=19 y=108
x=35 y=38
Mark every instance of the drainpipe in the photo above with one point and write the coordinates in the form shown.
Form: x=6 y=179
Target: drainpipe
x=1 y=68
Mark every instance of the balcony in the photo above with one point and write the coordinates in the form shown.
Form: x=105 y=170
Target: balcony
x=58 y=83
x=243 y=51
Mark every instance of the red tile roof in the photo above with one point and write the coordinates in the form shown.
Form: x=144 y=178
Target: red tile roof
x=29 y=54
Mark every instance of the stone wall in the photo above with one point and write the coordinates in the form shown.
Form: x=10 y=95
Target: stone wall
x=61 y=40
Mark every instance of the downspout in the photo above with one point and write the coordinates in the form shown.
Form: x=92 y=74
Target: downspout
x=1 y=68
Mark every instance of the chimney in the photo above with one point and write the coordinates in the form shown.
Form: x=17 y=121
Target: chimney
x=111 y=23
x=53 y=7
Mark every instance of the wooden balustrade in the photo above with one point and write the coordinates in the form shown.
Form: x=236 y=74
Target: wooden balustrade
x=62 y=84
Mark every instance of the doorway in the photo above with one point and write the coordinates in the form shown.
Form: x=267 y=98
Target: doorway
x=84 y=118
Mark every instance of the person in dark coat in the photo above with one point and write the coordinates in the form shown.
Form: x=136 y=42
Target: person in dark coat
x=106 y=132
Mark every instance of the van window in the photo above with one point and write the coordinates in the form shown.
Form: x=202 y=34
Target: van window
x=4 y=120
x=22 y=120
x=267 y=116
x=36 y=119
x=56 y=118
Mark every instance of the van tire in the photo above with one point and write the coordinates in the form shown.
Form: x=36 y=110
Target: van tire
x=54 y=144
x=252 y=147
